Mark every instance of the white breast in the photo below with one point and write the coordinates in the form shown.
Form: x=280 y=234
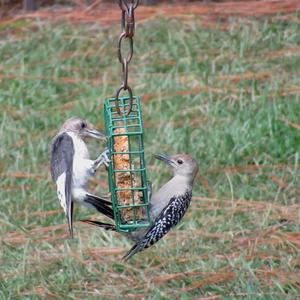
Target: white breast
x=80 y=147
x=175 y=187
x=82 y=166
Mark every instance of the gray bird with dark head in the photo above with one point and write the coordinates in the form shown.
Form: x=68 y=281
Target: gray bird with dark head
x=168 y=204
x=71 y=168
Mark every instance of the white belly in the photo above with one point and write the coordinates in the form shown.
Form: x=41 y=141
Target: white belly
x=82 y=171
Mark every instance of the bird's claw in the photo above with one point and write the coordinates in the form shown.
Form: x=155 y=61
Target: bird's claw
x=103 y=159
x=149 y=190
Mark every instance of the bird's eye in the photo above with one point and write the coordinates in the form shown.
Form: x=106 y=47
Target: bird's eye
x=83 y=125
x=180 y=161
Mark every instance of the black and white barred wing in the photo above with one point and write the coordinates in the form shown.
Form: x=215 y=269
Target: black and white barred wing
x=168 y=218
x=62 y=154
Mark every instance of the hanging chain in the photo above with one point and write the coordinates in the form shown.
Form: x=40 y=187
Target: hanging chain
x=128 y=26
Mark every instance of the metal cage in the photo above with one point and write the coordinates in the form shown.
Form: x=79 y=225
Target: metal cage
x=127 y=169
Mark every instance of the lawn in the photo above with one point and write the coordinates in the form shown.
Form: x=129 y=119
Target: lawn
x=228 y=95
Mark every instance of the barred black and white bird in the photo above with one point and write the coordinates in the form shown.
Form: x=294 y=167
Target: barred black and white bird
x=168 y=204
x=71 y=168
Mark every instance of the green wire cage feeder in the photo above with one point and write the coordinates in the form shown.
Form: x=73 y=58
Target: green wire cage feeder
x=127 y=169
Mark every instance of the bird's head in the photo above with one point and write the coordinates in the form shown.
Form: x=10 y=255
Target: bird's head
x=182 y=164
x=82 y=128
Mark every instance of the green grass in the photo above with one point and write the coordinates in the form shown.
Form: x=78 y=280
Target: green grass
x=231 y=98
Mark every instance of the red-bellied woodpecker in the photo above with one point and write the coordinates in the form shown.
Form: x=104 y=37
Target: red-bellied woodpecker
x=168 y=204
x=71 y=168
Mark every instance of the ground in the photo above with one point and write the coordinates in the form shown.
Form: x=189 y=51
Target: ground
x=226 y=91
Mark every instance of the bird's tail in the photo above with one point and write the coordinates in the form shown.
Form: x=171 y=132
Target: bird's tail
x=106 y=226
x=135 y=249
x=70 y=218
x=101 y=205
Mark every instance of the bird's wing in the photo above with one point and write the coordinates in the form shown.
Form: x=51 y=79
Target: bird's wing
x=168 y=218
x=62 y=154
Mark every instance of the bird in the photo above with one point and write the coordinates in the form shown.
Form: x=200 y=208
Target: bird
x=71 y=167
x=167 y=206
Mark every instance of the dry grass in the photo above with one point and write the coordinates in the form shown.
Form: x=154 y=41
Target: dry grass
x=228 y=94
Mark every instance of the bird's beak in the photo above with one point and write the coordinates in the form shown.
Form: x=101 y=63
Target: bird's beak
x=95 y=134
x=164 y=158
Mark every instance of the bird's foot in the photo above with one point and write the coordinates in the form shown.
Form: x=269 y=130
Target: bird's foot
x=102 y=159
x=149 y=190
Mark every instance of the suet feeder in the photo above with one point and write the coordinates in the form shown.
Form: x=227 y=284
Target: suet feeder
x=127 y=169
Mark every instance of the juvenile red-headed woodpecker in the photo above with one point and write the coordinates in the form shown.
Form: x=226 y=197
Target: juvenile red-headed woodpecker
x=71 y=168
x=168 y=204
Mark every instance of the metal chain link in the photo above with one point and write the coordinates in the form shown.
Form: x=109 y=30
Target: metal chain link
x=128 y=26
